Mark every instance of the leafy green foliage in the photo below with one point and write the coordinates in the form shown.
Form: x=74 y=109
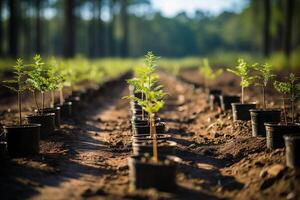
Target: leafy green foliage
x=146 y=82
x=289 y=87
x=18 y=84
x=207 y=71
x=264 y=73
x=243 y=70
x=38 y=76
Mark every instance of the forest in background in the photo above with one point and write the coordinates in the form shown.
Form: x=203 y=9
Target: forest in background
x=129 y=28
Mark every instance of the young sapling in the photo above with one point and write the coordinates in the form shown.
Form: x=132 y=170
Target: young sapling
x=290 y=88
x=264 y=74
x=153 y=100
x=208 y=73
x=243 y=70
x=38 y=80
x=18 y=84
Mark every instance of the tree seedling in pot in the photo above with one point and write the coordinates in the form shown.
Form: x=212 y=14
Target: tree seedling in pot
x=263 y=75
x=208 y=73
x=38 y=80
x=289 y=88
x=153 y=100
x=18 y=84
x=22 y=139
x=243 y=70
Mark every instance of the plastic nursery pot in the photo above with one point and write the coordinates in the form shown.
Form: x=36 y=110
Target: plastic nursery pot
x=214 y=92
x=145 y=174
x=275 y=133
x=241 y=111
x=259 y=117
x=47 y=122
x=227 y=100
x=292 y=152
x=140 y=121
x=146 y=137
x=214 y=101
x=3 y=149
x=75 y=103
x=22 y=140
x=145 y=129
x=56 y=111
x=65 y=110
x=164 y=148
x=138 y=95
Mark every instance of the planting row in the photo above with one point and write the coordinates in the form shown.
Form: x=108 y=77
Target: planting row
x=153 y=162
x=278 y=125
x=47 y=82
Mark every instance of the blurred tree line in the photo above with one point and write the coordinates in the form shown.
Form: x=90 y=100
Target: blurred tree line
x=122 y=28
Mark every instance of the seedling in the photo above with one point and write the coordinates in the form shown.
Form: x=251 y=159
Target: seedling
x=264 y=74
x=290 y=88
x=153 y=101
x=18 y=84
x=55 y=80
x=243 y=70
x=208 y=73
x=39 y=80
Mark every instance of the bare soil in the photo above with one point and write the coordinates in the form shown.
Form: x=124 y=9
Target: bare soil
x=87 y=157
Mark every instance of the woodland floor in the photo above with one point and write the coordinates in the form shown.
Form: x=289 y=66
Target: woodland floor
x=87 y=157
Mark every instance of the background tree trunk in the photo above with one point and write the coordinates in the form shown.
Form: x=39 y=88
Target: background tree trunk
x=124 y=27
x=69 y=27
x=289 y=12
x=111 y=48
x=267 y=19
x=13 y=29
x=38 y=27
x=1 y=30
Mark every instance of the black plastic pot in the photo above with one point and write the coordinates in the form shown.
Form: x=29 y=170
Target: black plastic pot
x=227 y=100
x=147 y=174
x=160 y=129
x=292 y=152
x=214 y=101
x=3 y=149
x=146 y=137
x=76 y=103
x=259 y=117
x=241 y=111
x=47 y=122
x=142 y=122
x=164 y=148
x=22 y=140
x=275 y=133
x=65 y=110
x=56 y=111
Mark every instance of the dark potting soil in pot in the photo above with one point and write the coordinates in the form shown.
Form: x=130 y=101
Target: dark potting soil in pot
x=65 y=110
x=241 y=111
x=145 y=174
x=164 y=148
x=160 y=129
x=259 y=117
x=47 y=122
x=147 y=137
x=292 y=146
x=214 y=101
x=275 y=133
x=56 y=111
x=22 y=140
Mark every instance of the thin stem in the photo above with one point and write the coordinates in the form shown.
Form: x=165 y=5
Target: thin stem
x=36 y=103
x=264 y=97
x=43 y=101
x=142 y=108
x=242 y=95
x=20 y=107
x=153 y=134
x=293 y=110
x=284 y=111
x=52 y=99
x=61 y=96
